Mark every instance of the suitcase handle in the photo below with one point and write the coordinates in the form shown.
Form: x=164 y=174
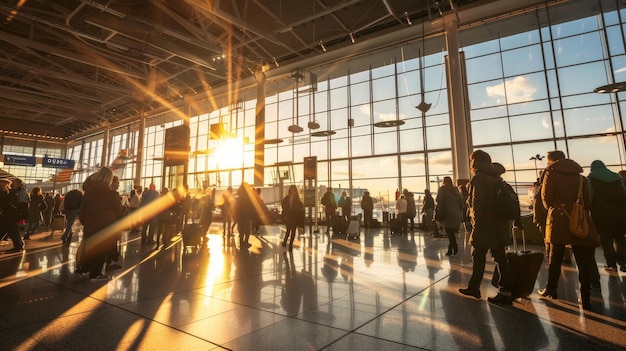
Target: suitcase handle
x=524 y=250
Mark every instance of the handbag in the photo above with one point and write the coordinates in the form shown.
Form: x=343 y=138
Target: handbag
x=440 y=213
x=578 y=216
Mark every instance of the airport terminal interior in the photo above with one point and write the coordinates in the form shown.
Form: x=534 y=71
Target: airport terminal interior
x=358 y=96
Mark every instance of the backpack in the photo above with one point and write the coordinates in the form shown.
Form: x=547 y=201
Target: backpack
x=506 y=202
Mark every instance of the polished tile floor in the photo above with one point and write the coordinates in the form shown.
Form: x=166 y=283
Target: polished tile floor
x=379 y=292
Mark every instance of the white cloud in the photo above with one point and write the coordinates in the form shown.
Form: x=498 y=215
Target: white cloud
x=518 y=89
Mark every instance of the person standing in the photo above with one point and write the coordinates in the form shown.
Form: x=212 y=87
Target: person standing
x=367 y=205
x=451 y=201
x=36 y=206
x=57 y=204
x=608 y=210
x=9 y=215
x=330 y=208
x=559 y=191
x=206 y=216
x=428 y=209
x=401 y=206
x=293 y=215
x=134 y=202
x=150 y=220
x=345 y=203
x=99 y=208
x=489 y=233
x=49 y=212
x=246 y=213
x=225 y=206
x=71 y=206
x=411 y=210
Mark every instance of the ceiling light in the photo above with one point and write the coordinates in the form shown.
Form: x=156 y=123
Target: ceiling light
x=388 y=124
x=295 y=128
x=322 y=45
x=611 y=88
x=275 y=62
x=352 y=38
x=323 y=133
x=313 y=125
x=408 y=20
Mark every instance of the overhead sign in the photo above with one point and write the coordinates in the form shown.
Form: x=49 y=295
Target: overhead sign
x=56 y=162
x=19 y=160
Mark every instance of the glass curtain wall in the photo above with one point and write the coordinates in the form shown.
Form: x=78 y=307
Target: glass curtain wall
x=530 y=84
x=533 y=92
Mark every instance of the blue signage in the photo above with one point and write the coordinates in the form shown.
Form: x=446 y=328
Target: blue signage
x=57 y=162
x=19 y=160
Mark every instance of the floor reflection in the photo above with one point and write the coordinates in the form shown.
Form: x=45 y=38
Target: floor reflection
x=377 y=286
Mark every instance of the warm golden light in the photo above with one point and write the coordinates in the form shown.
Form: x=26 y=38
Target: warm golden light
x=230 y=153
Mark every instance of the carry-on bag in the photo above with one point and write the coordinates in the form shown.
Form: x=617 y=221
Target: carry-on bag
x=524 y=266
x=353 y=228
x=192 y=234
x=395 y=226
x=58 y=223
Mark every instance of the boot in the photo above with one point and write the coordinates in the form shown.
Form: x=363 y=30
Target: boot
x=450 y=252
x=455 y=249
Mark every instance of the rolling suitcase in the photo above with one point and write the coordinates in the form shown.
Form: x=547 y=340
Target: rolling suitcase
x=58 y=223
x=524 y=266
x=395 y=226
x=192 y=234
x=353 y=229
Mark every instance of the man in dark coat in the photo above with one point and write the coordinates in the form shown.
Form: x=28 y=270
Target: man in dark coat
x=367 y=205
x=489 y=233
x=330 y=206
x=608 y=209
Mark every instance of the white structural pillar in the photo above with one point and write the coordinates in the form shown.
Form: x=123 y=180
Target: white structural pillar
x=140 y=135
x=460 y=127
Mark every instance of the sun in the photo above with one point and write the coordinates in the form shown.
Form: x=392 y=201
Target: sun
x=230 y=153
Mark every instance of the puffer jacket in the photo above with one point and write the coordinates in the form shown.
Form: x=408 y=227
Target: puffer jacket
x=560 y=186
x=488 y=231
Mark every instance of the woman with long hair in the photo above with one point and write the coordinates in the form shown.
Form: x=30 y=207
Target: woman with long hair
x=450 y=201
x=293 y=215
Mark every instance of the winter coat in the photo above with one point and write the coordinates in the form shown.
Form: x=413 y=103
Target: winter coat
x=410 y=204
x=293 y=212
x=401 y=205
x=99 y=207
x=449 y=198
x=367 y=203
x=330 y=205
x=34 y=208
x=608 y=199
x=488 y=231
x=560 y=186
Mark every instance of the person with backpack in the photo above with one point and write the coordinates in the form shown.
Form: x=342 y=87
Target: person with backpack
x=71 y=207
x=489 y=232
